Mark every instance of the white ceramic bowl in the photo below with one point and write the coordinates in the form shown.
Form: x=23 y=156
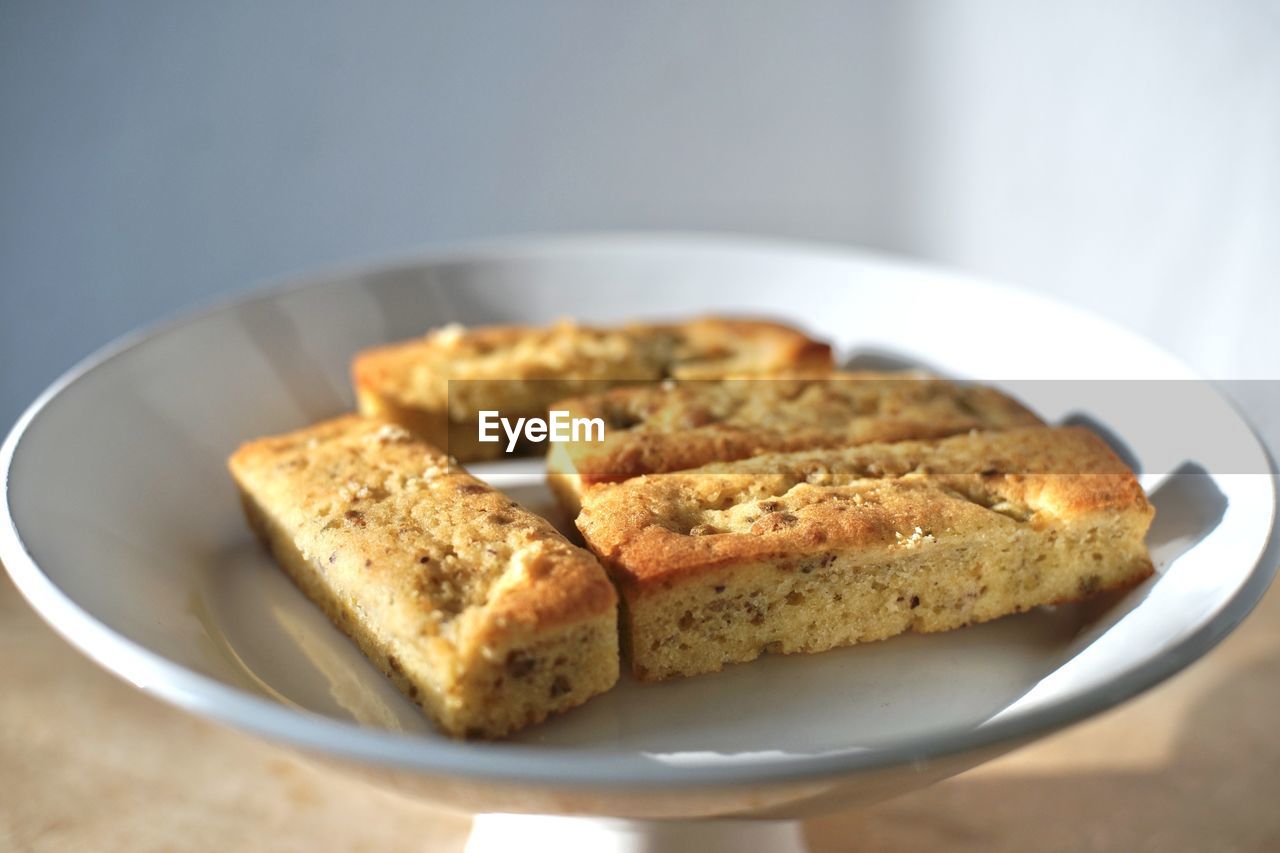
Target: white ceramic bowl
x=123 y=530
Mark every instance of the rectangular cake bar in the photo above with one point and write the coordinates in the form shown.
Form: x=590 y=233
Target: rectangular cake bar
x=479 y=610
x=436 y=385
x=807 y=551
x=663 y=427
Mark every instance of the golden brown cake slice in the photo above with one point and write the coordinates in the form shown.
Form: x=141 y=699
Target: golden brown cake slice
x=673 y=426
x=520 y=371
x=808 y=551
x=476 y=608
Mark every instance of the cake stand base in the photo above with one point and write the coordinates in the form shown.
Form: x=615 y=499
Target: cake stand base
x=501 y=833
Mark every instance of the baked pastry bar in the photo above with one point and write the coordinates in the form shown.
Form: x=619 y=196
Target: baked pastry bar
x=476 y=608
x=520 y=371
x=673 y=426
x=808 y=551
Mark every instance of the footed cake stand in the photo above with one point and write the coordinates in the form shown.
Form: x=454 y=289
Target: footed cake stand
x=120 y=526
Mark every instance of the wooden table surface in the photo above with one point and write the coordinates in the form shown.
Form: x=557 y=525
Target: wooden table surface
x=88 y=763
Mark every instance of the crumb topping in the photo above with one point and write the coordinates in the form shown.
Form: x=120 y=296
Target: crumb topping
x=900 y=495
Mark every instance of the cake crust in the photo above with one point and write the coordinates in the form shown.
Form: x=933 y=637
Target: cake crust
x=479 y=610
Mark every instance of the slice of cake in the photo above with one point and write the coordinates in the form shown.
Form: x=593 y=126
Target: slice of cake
x=807 y=551
x=673 y=426
x=476 y=608
x=435 y=386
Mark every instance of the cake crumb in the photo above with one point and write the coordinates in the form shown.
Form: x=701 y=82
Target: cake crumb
x=352 y=491
x=917 y=537
x=388 y=434
x=819 y=475
x=451 y=334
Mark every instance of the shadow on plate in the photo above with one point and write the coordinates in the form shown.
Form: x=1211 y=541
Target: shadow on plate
x=1108 y=435
x=879 y=360
x=1189 y=506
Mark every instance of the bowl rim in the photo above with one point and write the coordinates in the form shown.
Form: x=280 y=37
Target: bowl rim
x=515 y=763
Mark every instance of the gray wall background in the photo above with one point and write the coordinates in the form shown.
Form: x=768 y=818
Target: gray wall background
x=1122 y=155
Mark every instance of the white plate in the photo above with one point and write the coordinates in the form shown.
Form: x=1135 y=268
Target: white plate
x=124 y=531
